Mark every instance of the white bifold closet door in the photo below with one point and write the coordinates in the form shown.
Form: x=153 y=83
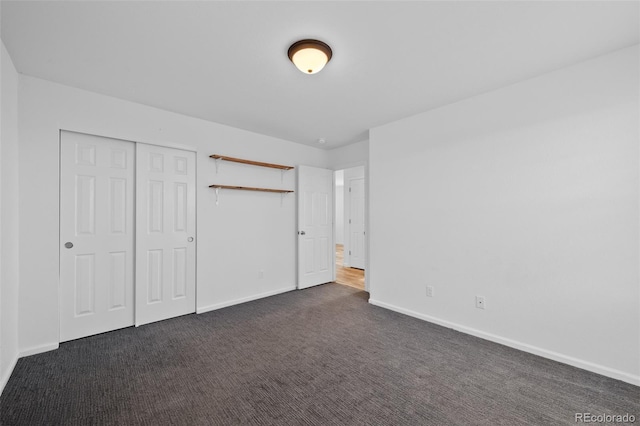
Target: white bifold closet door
x=96 y=234
x=165 y=232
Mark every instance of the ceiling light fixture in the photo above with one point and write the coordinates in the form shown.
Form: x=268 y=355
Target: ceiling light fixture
x=310 y=56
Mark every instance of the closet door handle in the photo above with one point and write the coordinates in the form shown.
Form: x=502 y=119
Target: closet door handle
x=302 y=233
x=68 y=244
x=190 y=239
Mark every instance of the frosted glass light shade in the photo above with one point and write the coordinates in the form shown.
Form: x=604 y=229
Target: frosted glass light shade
x=310 y=56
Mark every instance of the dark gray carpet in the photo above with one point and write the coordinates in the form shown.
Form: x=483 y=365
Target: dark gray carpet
x=321 y=356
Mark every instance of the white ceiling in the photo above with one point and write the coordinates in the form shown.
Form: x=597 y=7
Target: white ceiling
x=227 y=61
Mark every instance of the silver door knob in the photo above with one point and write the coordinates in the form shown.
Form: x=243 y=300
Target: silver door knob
x=68 y=245
x=190 y=239
x=302 y=233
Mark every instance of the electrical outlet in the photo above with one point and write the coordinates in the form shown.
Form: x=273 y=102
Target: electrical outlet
x=480 y=302
x=429 y=291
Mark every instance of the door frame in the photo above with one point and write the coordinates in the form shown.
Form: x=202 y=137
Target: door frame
x=367 y=285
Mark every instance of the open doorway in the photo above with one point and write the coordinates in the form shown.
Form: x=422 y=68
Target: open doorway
x=350 y=227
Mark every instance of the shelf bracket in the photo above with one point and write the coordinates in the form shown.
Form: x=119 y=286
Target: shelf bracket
x=282 y=175
x=217 y=161
x=217 y=194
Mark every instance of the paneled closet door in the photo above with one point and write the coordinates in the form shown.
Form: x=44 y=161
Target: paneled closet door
x=96 y=234
x=165 y=233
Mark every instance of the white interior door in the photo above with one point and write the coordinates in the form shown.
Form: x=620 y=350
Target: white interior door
x=315 y=226
x=96 y=234
x=356 y=222
x=165 y=232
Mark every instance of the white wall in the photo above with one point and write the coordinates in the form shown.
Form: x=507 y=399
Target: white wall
x=527 y=196
x=246 y=233
x=356 y=154
x=8 y=217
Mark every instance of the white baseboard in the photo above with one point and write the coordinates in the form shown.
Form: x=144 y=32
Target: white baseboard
x=565 y=359
x=39 y=349
x=5 y=377
x=204 y=309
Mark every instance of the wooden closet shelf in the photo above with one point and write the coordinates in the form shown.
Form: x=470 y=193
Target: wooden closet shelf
x=250 y=188
x=253 y=163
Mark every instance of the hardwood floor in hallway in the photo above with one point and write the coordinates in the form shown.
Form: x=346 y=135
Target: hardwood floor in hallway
x=352 y=277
